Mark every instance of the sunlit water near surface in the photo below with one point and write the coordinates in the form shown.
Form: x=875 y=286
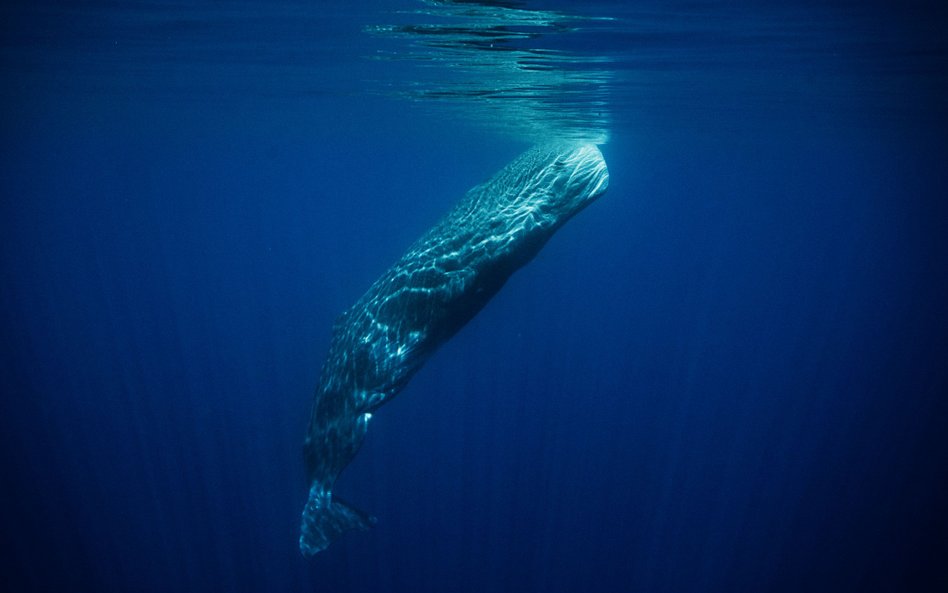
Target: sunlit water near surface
x=727 y=374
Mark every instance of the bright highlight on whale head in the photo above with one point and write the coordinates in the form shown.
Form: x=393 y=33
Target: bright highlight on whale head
x=440 y=283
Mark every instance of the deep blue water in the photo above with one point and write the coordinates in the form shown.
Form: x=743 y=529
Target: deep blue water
x=728 y=374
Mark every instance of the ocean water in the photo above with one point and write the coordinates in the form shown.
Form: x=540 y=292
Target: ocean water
x=730 y=373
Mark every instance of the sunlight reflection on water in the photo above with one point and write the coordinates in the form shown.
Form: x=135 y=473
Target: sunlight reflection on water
x=503 y=66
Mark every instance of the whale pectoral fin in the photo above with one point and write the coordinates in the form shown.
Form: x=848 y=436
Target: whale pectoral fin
x=325 y=518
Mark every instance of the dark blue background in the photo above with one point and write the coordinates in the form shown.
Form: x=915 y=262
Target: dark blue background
x=729 y=374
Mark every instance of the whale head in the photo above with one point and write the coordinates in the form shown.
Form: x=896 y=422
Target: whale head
x=541 y=190
x=569 y=176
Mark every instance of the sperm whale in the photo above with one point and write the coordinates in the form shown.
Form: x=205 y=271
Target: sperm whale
x=437 y=286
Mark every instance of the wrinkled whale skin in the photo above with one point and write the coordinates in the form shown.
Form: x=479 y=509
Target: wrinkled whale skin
x=443 y=280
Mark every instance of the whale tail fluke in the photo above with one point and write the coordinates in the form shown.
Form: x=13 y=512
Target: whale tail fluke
x=325 y=518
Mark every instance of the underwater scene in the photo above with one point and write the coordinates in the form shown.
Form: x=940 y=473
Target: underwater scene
x=456 y=296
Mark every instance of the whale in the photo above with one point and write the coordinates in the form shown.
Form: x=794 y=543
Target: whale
x=442 y=281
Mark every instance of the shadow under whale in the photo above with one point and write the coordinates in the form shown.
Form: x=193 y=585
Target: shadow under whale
x=440 y=283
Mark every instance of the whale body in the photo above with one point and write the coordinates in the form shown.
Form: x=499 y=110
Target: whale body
x=443 y=280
